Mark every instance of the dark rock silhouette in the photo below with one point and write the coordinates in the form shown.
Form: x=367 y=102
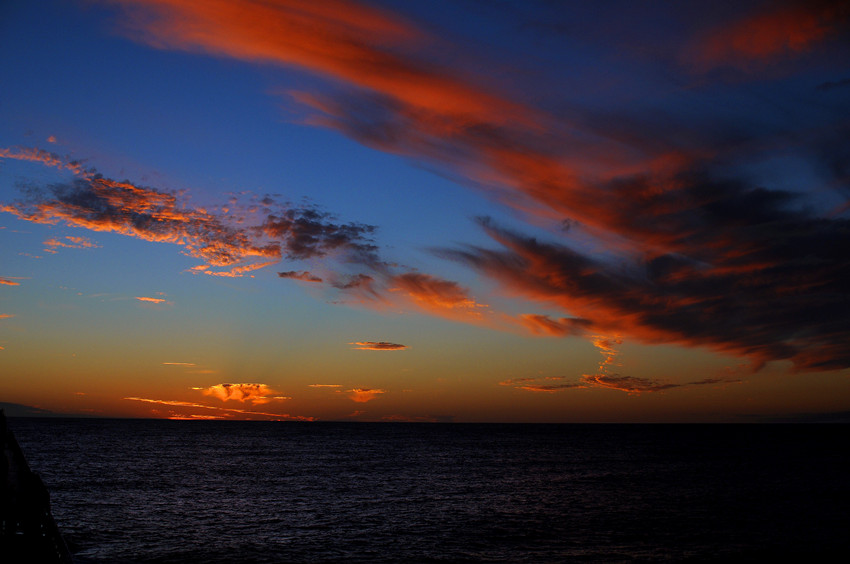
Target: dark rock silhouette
x=28 y=532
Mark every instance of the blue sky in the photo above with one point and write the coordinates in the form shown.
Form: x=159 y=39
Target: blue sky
x=557 y=212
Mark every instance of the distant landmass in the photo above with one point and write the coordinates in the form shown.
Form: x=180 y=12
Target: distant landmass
x=19 y=410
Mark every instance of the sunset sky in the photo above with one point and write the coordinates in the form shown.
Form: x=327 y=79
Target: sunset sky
x=425 y=211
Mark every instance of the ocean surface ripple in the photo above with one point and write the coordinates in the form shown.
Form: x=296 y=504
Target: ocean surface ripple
x=153 y=491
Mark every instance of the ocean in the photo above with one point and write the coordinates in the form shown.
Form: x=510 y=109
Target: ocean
x=156 y=491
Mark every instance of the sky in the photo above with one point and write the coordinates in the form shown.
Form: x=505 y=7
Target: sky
x=425 y=211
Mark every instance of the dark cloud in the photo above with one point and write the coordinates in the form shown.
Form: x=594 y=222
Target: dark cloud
x=304 y=276
x=378 y=346
x=833 y=84
x=753 y=276
x=19 y=410
x=307 y=233
x=550 y=388
x=628 y=384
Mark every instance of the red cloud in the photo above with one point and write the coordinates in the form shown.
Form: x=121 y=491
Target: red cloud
x=350 y=42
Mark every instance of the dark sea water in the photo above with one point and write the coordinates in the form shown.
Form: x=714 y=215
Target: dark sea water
x=190 y=491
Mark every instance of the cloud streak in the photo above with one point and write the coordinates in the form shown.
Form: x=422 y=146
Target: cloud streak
x=243 y=413
x=150 y=300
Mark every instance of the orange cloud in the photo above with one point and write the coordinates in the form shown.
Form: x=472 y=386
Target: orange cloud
x=324 y=385
x=436 y=295
x=43 y=157
x=151 y=300
x=378 y=346
x=252 y=393
x=362 y=395
x=8 y=282
x=545 y=325
x=6 y=315
x=353 y=43
x=629 y=384
x=179 y=363
x=238 y=240
x=75 y=243
x=144 y=213
x=238 y=271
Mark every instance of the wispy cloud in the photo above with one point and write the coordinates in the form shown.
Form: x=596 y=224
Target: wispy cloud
x=550 y=388
x=44 y=157
x=6 y=315
x=8 y=282
x=378 y=346
x=70 y=242
x=514 y=381
x=243 y=413
x=542 y=384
